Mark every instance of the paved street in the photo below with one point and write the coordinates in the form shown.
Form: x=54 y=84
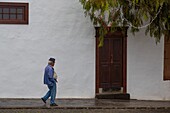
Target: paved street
x=82 y=111
x=84 y=106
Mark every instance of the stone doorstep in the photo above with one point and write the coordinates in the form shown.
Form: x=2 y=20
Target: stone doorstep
x=122 y=96
x=60 y=107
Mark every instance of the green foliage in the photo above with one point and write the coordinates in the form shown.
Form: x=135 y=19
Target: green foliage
x=154 y=15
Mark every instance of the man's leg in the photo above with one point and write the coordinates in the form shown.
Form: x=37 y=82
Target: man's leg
x=48 y=94
x=53 y=94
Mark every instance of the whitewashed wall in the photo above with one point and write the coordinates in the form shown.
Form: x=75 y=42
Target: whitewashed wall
x=57 y=28
x=145 y=68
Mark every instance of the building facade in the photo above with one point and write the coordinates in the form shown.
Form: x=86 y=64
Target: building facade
x=59 y=29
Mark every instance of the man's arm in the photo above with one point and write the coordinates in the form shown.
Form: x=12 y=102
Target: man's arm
x=51 y=74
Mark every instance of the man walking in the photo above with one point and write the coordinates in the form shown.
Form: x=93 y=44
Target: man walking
x=50 y=82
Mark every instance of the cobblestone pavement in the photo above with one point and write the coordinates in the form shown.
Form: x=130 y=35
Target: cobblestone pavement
x=82 y=111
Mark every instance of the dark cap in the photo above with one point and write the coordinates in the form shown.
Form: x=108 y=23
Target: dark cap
x=52 y=59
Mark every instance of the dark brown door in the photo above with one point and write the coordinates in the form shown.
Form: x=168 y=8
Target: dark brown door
x=116 y=66
x=111 y=63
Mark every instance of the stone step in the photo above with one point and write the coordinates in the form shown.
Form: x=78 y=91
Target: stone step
x=123 y=96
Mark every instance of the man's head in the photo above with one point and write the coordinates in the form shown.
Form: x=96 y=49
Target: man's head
x=51 y=61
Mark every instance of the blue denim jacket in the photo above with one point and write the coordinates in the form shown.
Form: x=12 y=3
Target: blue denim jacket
x=48 y=76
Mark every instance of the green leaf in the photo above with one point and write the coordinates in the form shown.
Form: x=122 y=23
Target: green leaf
x=135 y=13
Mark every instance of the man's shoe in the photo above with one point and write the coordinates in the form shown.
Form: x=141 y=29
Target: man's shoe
x=43 y=100
x=54 y=104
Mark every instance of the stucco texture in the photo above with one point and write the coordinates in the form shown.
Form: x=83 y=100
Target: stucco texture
x=57 y=28
x=145 y=68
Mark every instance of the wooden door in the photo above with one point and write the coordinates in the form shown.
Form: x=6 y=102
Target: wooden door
x=111 y=63
x=116 y=64
x=104 y=64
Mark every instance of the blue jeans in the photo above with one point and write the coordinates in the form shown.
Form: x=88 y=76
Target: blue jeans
x=51 y=93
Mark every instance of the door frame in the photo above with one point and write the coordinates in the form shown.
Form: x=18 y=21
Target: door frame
x=117 y=33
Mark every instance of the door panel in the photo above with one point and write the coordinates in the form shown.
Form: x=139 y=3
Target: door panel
x=116 y=76
x=104 y=65
x=116 y=62
x=116 y=46
x=111 y=63
x=103 y=76
x=104 y=52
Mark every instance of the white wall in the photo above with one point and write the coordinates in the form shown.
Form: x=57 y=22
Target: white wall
x=57 y=28
x=145 y=68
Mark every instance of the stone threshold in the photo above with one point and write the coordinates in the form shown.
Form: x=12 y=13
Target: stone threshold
x=121 y=96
